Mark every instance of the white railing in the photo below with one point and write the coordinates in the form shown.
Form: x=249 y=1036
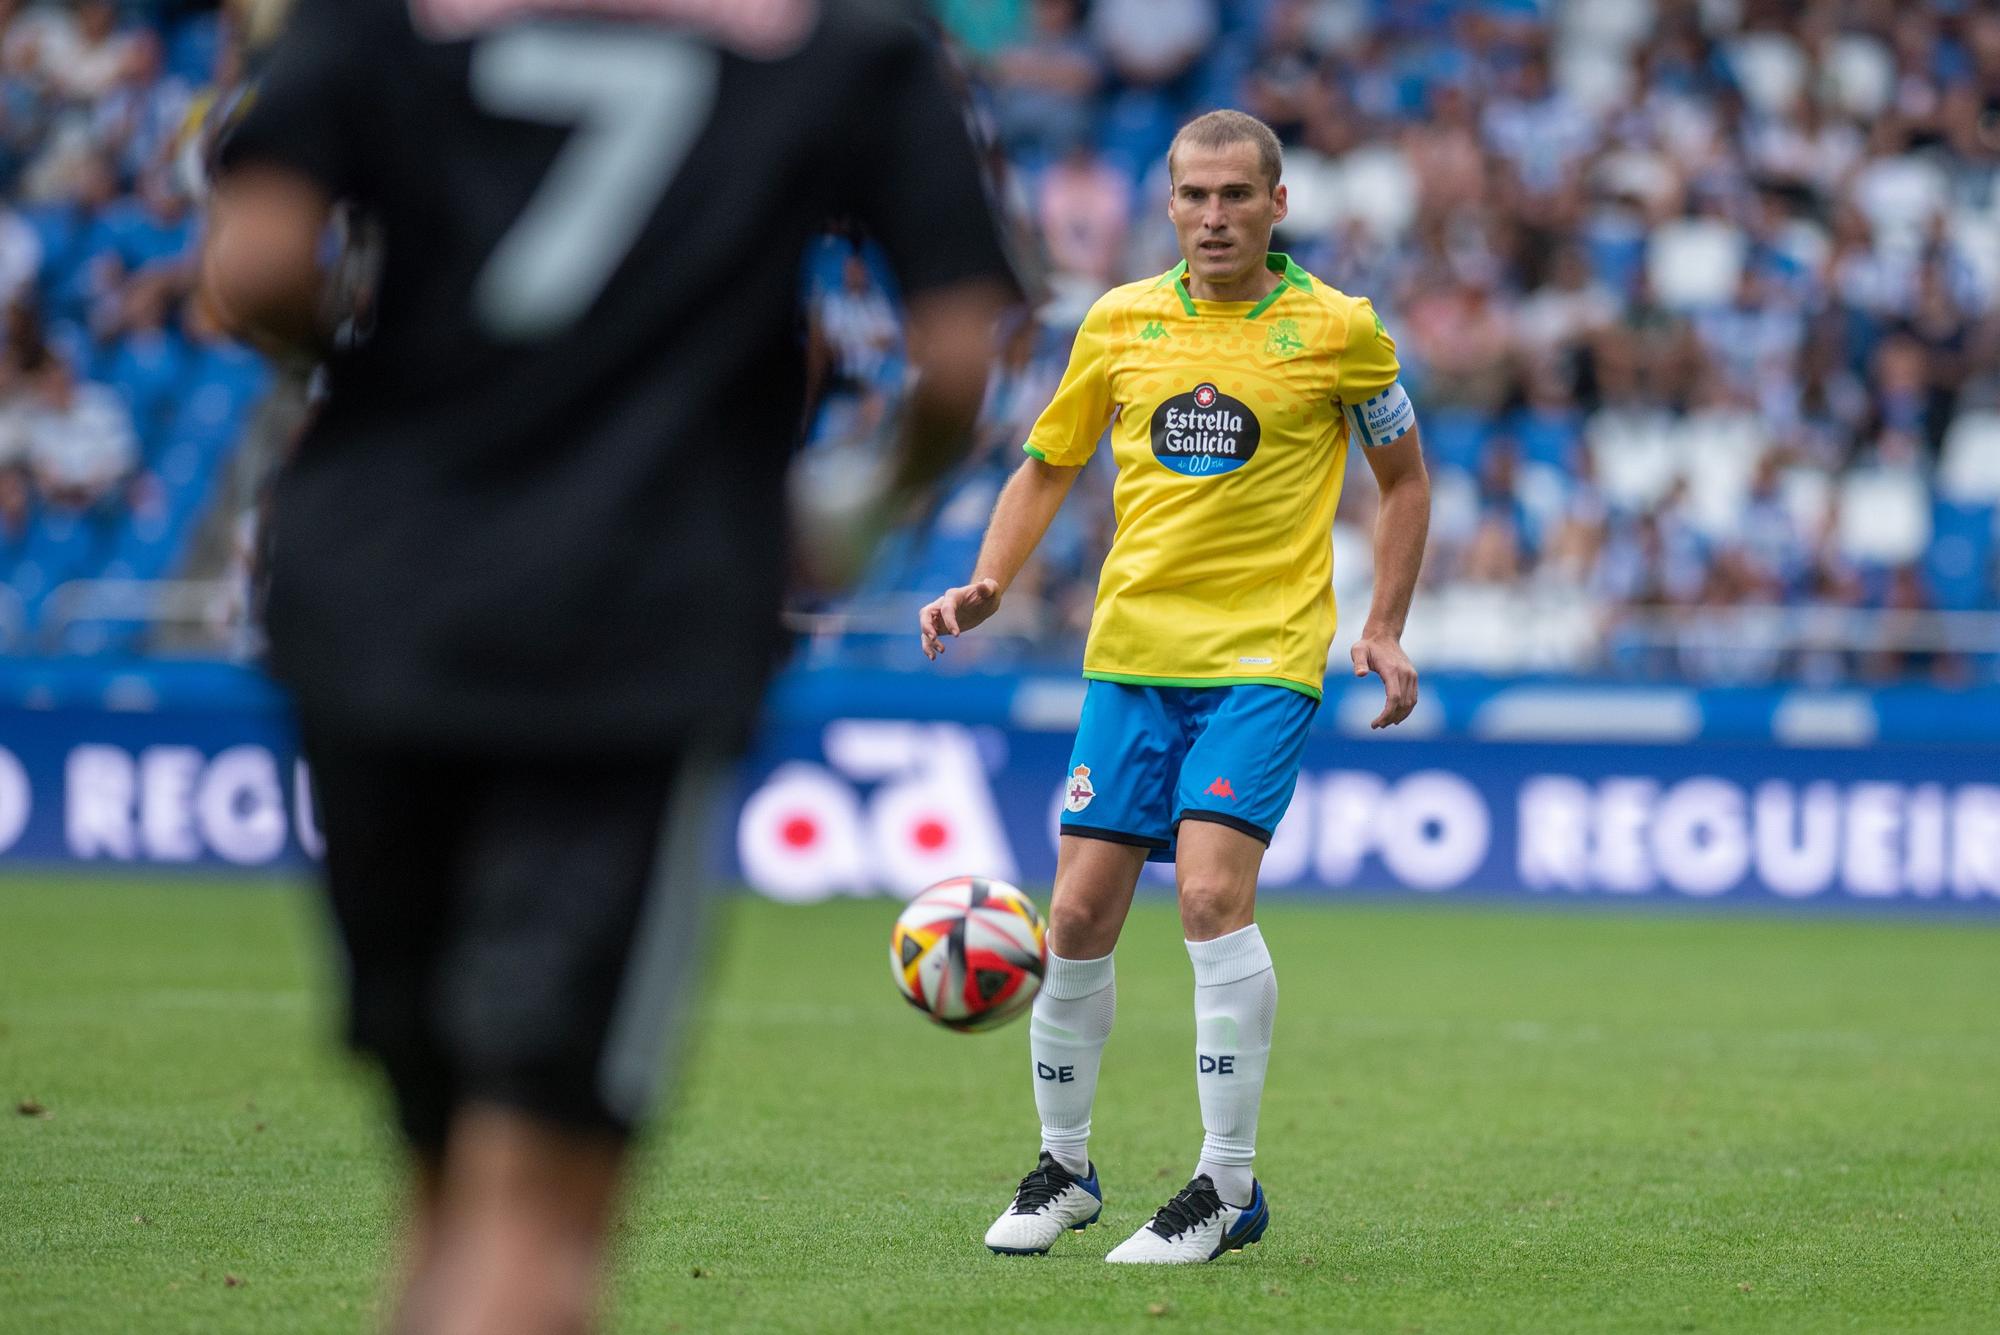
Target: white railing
x=1783 y=629
x=154 y=603
x=210 y=608
x=1521 y=633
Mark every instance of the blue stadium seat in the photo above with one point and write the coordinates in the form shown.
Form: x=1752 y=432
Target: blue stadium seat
x=149 y=546
x=1544 y=438
x=1959 y=561
x=68 y=283
x=147 y=370
x=65 y=545
x=1454 y=437
x=1617 y=256
x=70 y=340
x=1222 y=74
x=223 y=383
x=192 y=48
x=27 y=578
x=58 y=227
x=138 y=238
x=1245 y=19
x=1138 y=126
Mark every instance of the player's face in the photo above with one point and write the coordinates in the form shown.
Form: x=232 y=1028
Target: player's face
x=1223 y=211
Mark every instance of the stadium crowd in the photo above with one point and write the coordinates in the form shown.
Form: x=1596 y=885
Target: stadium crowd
x=119 y=402
x=1699 y=302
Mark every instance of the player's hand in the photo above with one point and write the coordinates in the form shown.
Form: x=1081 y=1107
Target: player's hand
x=1381 y=655
x=958 y=611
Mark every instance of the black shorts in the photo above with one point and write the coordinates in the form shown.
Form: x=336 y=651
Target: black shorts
x=517 y=933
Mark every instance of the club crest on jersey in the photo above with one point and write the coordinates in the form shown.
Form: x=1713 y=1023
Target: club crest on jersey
x=1078 y=792
x=1204 y=432
x=1284 y=340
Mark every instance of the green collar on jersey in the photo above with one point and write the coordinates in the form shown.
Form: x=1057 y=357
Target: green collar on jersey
x=1276 y=261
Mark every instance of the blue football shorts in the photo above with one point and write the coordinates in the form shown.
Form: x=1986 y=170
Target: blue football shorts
x=1149 y=757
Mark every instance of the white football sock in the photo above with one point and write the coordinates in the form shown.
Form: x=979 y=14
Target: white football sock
x=1235 y=1002
x=1066 y=1034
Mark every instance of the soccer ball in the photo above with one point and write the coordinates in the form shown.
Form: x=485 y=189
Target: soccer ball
x=969 y=952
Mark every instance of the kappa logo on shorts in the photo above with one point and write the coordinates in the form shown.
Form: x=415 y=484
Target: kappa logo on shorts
x=1077 y=795
x=1220 y=788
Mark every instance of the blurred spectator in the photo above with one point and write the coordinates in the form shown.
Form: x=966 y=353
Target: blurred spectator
x=81 y=54
x=1465 y=340
x=139 y=119
x=143 y=358
x=1538 y=127
x=1153 y=43
x=16 y=503
x=1043 y=85
x=80 y=439
x=1280 y=88
x=859 y=325
x=1084 y=205
x=20 y=257
x=1568 y=308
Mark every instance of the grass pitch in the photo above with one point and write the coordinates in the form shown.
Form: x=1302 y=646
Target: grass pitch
x=1478 y=1120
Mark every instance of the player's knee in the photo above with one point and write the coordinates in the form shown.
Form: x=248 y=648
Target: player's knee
x=1083 y=926
x=1214 y=906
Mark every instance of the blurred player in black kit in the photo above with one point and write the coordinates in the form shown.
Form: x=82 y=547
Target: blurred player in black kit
x=528 y=558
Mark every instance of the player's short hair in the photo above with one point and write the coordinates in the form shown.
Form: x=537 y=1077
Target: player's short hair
x=1220 y=129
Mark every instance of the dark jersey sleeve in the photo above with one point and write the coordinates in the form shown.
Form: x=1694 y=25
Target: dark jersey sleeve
x=303 y=108
x=919 y=187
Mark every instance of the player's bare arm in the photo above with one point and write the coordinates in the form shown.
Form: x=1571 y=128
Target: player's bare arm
x=260 y=270
x=1020 y=518
x=1401 y=525
x=950 y=340
x=838 y=521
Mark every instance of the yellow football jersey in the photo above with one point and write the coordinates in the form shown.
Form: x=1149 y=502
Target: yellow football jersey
x=1230 y=423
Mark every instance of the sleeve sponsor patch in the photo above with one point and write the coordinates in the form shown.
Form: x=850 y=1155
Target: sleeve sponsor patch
x=1382 y=420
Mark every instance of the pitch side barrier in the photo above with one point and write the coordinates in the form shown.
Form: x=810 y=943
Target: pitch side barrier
x=880 y=783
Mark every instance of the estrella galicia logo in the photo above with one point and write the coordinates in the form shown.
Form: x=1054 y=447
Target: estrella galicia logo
x=1204 y=432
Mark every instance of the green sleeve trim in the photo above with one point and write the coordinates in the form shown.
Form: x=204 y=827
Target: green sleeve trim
x=1134 y=679
x=1030 y=449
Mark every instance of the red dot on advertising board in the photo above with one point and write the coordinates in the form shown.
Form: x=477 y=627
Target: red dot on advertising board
x=799 y=832
x=930 y=835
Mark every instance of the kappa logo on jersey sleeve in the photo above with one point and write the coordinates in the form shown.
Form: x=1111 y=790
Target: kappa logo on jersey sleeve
x=1204 y=432
x=1077 y=795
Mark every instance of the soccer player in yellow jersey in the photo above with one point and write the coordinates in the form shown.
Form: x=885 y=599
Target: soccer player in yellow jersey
x=1234 y=387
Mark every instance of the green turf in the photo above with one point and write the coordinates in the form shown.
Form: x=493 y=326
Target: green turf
x=1478 y=1121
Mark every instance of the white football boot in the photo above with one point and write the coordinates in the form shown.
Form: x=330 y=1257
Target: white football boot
x=1049 y=1200
x=1196 y=1226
